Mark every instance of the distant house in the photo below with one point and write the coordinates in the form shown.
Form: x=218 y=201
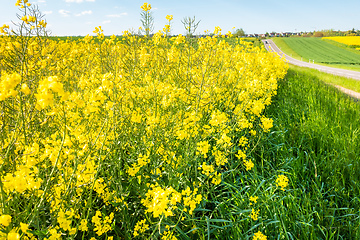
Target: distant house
x=275 y=34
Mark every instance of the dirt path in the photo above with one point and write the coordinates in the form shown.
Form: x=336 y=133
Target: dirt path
x=348 y=92
x=271 y=47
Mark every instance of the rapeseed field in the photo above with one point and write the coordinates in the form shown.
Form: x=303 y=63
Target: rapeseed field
x=130 y=138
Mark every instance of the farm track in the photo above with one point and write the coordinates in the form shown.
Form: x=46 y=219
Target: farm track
x=271 y=47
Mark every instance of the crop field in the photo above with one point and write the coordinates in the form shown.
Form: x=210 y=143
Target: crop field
x=349 y=40
x=139 y=137
x=321 y=51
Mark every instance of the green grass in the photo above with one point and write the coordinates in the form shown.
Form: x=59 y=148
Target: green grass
x=322 y=52
x=64 y=38
x=348 y=83
x=286 y=49
x=315 y=141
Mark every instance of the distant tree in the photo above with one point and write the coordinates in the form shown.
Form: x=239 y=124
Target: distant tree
x=307 y=34
x=351 y=32
x=239 y=33
x=318 y=34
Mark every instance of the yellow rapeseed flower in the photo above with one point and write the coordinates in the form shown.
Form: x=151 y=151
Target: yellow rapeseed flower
x=217 y=30
x=203 y=148
x=282 y=181
x=259 y=236
x=146 y=7
x=13 y=236
x=267 y=123
x=254 y=214
x=140 y=227
x=169 y=17
x=25 y=89
x=253 y=199
x=5 y=220
x=248 y=165
x=24 y=227
x=3 y=28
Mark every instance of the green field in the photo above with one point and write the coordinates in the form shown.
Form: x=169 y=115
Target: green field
x=330 y=79
x=316 y=141
x=319 y=51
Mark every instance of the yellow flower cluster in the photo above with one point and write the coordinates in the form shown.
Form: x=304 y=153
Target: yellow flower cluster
x=191 y=199
x=44 y=96
x=254 y=214
x=259 y=236
x=3 y=29
x=22 y=3
x=21 y=180
x=104 y=129
x=28 y=19
x=203 y=148
x=5 y=220
x=8 y=82
x=102 y=225
x=65 y=220
x=99 y=32
x=169 y=17
x=166 y=29
x=140 y=228
x=42 y=23
x=206 y=169
x=266 y=123
x=282 y=181
x=348 y=40
x=168 y=235
x=146 y=7
x=161 y=201
x=253 y=199
x=209 y=171
x=217 y=30
x=142 y=161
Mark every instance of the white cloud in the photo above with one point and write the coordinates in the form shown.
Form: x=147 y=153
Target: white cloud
x=117 y=15
x=83 y=13
x=107 y=21
x=79 y=1
x=48 y=12
x=64 y=12
x=41 y=1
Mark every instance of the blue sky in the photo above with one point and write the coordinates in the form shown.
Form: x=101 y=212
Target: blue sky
x=80 y=17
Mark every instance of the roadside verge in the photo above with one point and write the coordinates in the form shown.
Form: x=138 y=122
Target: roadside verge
x=346 y=81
